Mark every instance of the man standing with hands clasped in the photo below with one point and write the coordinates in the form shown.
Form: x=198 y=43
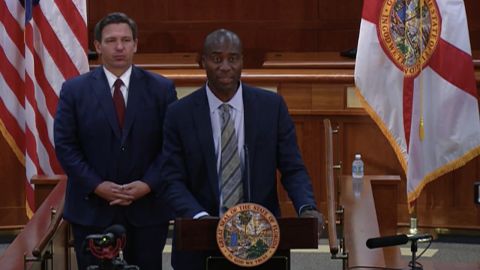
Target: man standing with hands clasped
x=212 y=134
x=108 y=138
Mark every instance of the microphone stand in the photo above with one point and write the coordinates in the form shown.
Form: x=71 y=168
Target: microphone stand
x=414 y=249
x=247 y=171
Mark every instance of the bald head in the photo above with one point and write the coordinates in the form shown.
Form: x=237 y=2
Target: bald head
x=221 y=37
x=223 y=62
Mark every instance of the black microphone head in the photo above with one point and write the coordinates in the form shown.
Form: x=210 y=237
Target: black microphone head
x=117 y=230
x=387 y=241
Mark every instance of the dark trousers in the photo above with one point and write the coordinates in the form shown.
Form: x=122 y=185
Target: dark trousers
x=143 y=247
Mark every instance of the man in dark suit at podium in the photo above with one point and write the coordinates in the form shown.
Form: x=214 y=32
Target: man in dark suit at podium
x=108 y=136
x=224 y=143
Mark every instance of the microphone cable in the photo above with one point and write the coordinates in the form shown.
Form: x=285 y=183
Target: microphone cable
x=417 y=264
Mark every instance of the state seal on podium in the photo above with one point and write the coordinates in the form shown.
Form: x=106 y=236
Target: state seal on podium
x=248 y=234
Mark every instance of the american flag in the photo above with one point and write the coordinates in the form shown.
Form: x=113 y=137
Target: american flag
x=43 y=43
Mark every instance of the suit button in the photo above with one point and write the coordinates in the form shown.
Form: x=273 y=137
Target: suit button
x=123 y=148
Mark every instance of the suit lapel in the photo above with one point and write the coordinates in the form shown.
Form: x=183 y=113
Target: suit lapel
x=102 y=91
x=135 y=91
x=203 y=127
x=250 y=109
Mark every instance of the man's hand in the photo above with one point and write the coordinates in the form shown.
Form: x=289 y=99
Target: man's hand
x=312 y=213
x=136 y=189
x=113 y=193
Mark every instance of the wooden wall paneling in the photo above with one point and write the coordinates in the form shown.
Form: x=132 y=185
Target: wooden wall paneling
x=361 y=135
x=340 y=10
x=385 y=189
x=462 y=198
x=337 y=40
x=313 y=96
x=264 y=26
x=139 y=10
x=239 y=10
x=448 y=200
x=309 y=148
x=312 y=151
x=297 y=96
x=328 y=97
x=12 y=195
x=340 y=25
x=472 y=8
x=311 y=139
x=436 y=199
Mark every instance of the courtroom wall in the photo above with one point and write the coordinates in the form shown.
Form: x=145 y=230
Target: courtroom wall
x=264 y=26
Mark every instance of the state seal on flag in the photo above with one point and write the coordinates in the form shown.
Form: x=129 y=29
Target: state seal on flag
x=248 y=234
x=409 y=32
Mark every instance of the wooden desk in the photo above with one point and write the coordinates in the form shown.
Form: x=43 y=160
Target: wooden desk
x=361 y=214
x=361 y=223
x=320 y=60
x=161 y=61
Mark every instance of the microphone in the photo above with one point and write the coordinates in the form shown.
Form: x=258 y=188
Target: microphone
x=394 y=240
x=247 y=172
x=116 y=230
x=387 y=241
x=107 y=245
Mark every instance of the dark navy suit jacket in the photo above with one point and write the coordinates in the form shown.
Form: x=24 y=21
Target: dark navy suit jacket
x=190 y=172
x=91 y=147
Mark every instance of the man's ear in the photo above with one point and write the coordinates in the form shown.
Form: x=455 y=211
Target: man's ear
x=202 y=61
x=136 y=43
x=97 y=46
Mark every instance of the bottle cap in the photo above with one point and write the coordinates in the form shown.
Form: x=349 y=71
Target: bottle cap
x=358 y=156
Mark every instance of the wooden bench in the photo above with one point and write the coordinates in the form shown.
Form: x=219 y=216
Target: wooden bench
x=308 y=60
x=161 y=61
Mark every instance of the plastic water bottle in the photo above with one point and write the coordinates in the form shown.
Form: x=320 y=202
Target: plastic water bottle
x=357 y=167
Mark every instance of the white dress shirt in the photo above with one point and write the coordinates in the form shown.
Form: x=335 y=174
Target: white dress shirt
x=237 y=114
x=125 y=77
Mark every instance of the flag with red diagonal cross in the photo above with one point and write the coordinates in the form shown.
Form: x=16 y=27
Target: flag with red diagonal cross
x=414 y=75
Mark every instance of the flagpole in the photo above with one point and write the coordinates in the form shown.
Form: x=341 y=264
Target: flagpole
x=414 y=230
x=413 y=220
x=421 y=133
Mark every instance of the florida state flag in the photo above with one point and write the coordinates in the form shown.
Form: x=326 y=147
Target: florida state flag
x=415 y=77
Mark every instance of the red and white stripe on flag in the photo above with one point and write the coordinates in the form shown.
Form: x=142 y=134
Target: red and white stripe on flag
x=43 y=43
x=414 y=75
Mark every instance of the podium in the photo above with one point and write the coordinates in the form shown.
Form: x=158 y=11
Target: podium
x=200 y=235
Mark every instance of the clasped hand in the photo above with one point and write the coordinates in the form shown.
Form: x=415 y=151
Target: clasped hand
x=122 y=195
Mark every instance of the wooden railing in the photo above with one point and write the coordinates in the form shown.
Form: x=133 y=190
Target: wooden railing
x=334 y=210
x=43 y=242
